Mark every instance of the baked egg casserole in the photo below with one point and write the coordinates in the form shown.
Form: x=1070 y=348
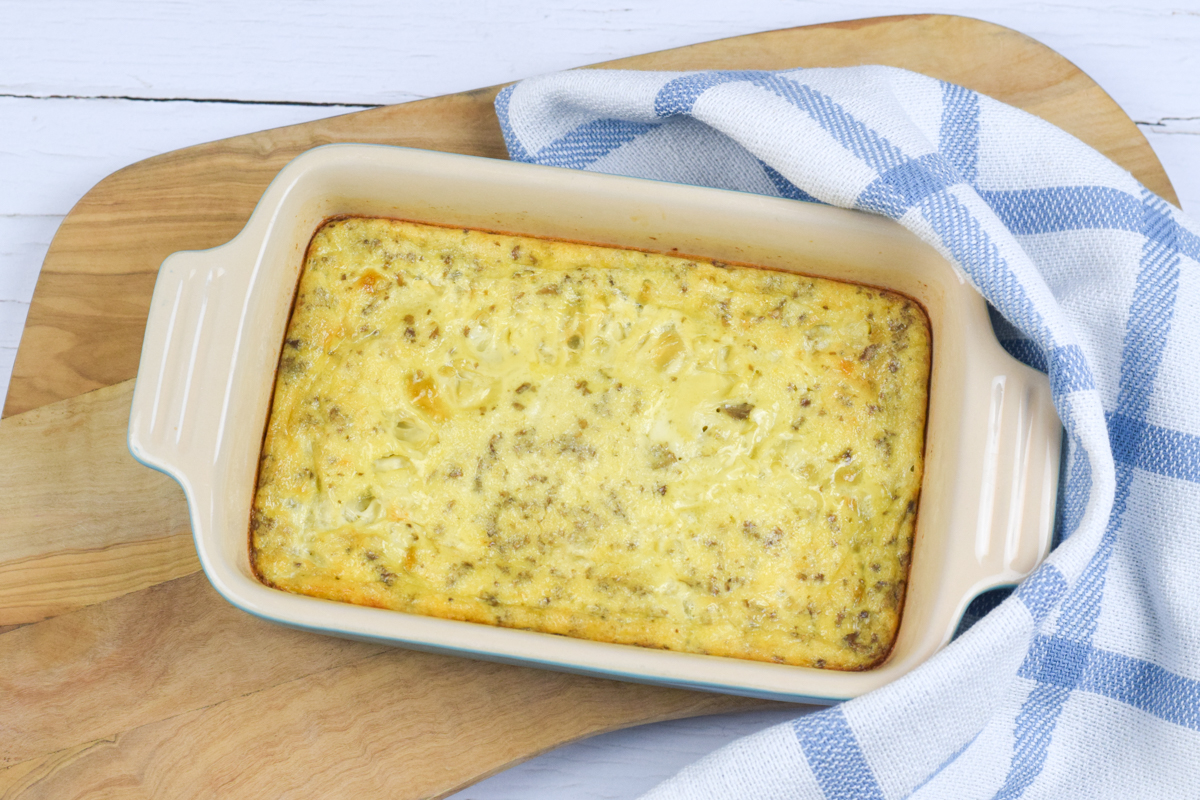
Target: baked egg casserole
x=608 y=444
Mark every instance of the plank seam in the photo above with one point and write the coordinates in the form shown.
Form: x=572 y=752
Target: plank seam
x=216 y=100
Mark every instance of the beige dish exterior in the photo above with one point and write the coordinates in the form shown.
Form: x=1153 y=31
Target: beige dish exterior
x=216 y=327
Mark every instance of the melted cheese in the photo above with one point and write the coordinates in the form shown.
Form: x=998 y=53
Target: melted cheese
x=601 y=443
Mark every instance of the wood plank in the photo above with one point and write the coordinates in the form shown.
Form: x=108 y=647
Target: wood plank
x=326 y=54
x=171 y=691
x=350 y=731
x=150 y=655
x=83 y=521
x=44 y=586
x=84 y=334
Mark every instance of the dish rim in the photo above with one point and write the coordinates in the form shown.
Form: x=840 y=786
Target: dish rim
x=259 y=235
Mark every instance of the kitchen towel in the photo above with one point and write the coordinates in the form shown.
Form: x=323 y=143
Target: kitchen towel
x=1086 y=681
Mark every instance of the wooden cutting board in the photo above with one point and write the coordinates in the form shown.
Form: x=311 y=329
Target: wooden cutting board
x=123 y=674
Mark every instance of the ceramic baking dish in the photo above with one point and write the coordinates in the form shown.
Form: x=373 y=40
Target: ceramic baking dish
x=216 y=327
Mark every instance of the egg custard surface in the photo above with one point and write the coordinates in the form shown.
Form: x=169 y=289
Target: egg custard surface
x=608 y=444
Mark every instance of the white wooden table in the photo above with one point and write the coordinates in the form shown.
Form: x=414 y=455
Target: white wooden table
x=89 y=87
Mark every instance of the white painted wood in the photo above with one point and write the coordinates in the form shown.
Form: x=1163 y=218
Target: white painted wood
x=366 y=51
x=1177 y=145
x=53 y=150
x=284 y=60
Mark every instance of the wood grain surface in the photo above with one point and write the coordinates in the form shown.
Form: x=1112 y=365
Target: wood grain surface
x=127 y=691
x=83 y=521
x=127 y=676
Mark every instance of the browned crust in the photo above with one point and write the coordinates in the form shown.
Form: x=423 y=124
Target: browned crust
x=640 y=633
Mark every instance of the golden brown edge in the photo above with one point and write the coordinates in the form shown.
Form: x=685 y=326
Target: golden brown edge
x=673 y=252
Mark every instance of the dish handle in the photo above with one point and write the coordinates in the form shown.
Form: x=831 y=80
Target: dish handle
x=1017 y=455
x=184 y=380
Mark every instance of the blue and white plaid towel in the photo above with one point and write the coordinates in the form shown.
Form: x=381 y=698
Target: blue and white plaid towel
x=1086 y=681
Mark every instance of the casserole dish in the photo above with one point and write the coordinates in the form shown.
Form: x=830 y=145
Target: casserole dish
x=216 y=327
